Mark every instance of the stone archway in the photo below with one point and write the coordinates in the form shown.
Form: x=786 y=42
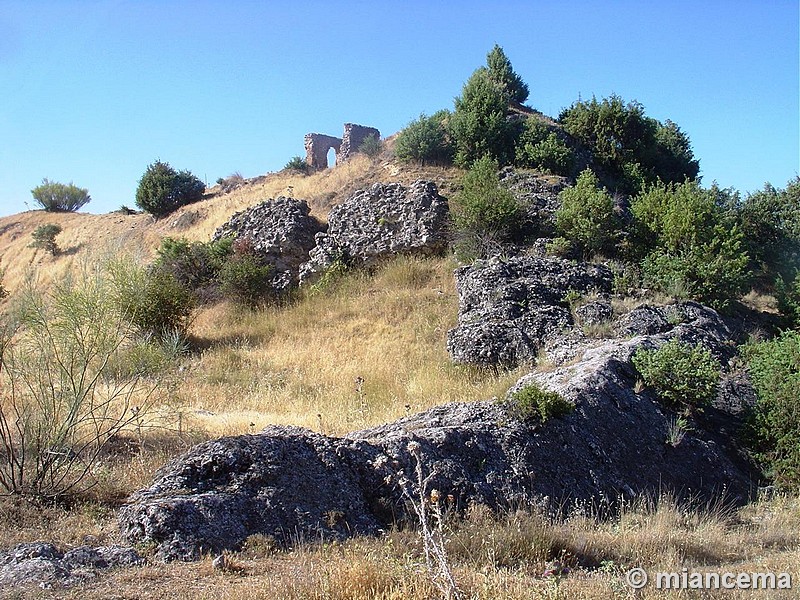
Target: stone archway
x=317 y=146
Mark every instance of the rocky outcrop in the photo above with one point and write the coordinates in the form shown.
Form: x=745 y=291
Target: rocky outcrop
x=538 y=196
x=386 y=219
x=44 y=565
x=509 y=309
x=281 y=230
x=317 y=146
x=291 y=483
x=352 y=138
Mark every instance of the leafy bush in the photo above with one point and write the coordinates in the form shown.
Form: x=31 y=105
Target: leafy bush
x=586 y=216
x=44 y=238
x=297 y=163
x=371 y=146
x=61 y=401
x=788 y=295
x=692 y=244
x=770 y=222
x=153 y=300
x=534 y=403
x=162 y=189
x=425 y=140
x=773 y=429
x=195 y=265
x=540 y=147
x=244 y=277
x=54 y=196
x=628 y=147
x=683 y=376
x=483 y=210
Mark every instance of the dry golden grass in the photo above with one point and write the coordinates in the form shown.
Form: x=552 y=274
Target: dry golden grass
x=493 y=557
x=90 y=237
x=299 y=364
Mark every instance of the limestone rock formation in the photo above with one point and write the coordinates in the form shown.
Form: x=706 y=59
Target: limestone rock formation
x=317 y=146
x=538 y=196
x=509 y=309
x=386 y=219
x=282 y=230
x=354 y=135
x=44 y=565
x=291 y=483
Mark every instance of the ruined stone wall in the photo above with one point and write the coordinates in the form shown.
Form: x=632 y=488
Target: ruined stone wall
x=317 y=146
x=354 y=136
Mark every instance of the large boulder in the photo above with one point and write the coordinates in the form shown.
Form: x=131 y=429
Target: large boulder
x=291 y=483
x=509 y=308
x=386 y=219
x=281 y=230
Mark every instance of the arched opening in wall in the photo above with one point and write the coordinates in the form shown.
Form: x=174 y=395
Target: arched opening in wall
x=331 y=158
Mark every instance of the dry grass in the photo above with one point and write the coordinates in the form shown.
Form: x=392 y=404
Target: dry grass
x=299 y=364
x=90 y=237
x=495 y=557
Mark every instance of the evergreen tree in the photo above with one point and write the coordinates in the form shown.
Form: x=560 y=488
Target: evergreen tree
x=501 y=72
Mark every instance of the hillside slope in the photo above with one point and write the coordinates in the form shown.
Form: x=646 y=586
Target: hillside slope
x=88 y=236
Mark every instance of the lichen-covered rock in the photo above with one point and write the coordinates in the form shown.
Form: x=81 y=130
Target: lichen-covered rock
x=43 y=564
x=386 y=219
x=538 y=196
x=508 y=309
x=291 y=483
x=281 y=230
x=595 y=312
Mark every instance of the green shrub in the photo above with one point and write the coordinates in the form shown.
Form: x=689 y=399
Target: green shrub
x=788 y=295
x=629 y=148
x=195 y=265
x=484 y=211
x=425 y=140
x=62 y=401
x=162 y=189
x=682 y=376
x=44 y=238
x=692 y=244
x=773 y=429
x=3 y=290
x=297 y=163
x=335 y=272
x=540 y=147
x=54 y=196
x=770 y=222
x=153 y=299
x=371 y=146
x=586 y=216
x=534 y=403
x=244 y=277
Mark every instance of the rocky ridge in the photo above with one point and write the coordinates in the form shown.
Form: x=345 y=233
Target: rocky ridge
x=281 y=230
x=290 y=483
x=383 y=220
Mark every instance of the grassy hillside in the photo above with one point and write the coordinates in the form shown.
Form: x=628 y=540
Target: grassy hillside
x=368 y=349
x=88 y=237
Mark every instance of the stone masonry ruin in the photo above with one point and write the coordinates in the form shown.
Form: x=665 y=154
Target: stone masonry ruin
x=318 y=144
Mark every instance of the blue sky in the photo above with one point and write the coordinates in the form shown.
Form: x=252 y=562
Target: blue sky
x=92 y=92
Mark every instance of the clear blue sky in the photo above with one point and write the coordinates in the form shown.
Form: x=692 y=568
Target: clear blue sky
x=92 y=92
